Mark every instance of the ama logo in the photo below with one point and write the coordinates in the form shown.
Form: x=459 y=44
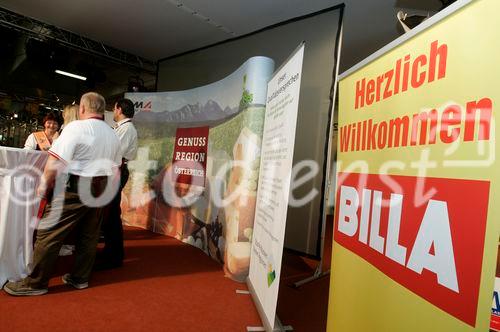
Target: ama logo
x=495 y=308
x=142 y=106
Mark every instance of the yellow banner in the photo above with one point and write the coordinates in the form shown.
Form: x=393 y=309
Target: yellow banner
x=417 y=205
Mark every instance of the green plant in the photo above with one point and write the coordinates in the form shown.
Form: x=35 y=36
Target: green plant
x=246 y=96
x=246 y=99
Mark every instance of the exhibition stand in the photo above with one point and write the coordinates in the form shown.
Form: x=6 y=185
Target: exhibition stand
x=238 y=150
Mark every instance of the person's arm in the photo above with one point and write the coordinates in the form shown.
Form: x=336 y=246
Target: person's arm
x=56 y=136
x=53 y=167
x=30 y=143
x=128 y=141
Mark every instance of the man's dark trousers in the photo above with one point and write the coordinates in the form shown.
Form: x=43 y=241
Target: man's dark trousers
x=112 y=228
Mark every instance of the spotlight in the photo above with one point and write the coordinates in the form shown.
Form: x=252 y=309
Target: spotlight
x=408 y=22
x=135 y=84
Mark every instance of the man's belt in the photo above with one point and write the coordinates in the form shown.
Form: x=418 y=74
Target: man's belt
x=97 y=183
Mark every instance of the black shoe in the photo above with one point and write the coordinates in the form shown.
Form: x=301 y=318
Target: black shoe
x=101 y=266
x=68 y=280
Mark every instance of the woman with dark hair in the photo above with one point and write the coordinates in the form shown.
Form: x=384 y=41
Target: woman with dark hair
x=42 y=140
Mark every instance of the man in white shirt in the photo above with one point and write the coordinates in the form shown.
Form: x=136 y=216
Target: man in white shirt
x=112 y=228
x=85 y=156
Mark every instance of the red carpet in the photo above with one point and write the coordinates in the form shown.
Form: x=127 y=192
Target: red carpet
x=305 y=308
x=164 y=285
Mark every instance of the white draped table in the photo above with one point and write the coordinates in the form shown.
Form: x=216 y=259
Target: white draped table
x=20 y=172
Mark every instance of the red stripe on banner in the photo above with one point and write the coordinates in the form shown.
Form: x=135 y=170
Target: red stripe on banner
x=495 y=323
x=55 y=155
x=41 y=208
x=427 y=235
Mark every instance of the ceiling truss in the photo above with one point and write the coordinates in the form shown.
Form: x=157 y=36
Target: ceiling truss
x=45 y=31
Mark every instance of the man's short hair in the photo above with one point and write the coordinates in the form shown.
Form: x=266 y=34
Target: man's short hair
x=94 y=103
x=127 y=107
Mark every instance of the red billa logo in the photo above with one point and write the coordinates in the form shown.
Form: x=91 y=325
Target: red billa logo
x=142 y=106
x=433 y=248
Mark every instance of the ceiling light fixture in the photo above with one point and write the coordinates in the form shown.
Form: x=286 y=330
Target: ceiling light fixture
x=65 y=73
x=204 y=18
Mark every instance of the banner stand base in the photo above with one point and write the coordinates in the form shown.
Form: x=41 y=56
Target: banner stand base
x=317 y=274
x=278 y=327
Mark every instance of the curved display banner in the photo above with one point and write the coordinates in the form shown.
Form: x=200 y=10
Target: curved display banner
x=416 y=227
x=195 y=176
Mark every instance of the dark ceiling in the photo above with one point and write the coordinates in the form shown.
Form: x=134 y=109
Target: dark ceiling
x=28 y=64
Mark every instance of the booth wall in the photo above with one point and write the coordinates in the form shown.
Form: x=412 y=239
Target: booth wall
x=320 y=35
